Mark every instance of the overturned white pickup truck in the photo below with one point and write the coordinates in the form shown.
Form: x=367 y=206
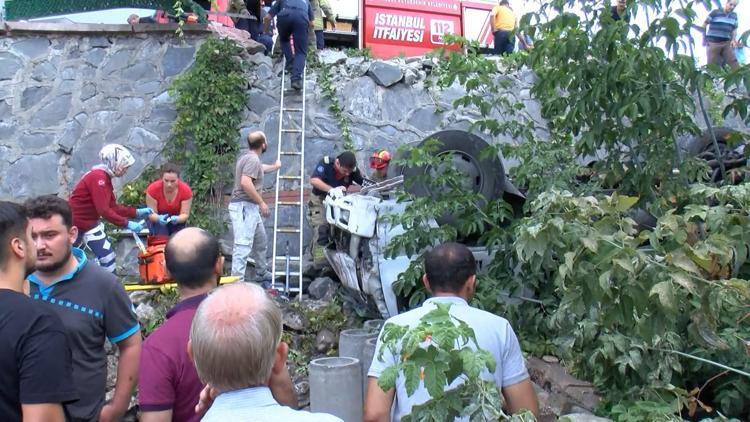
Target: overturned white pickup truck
x=361 y=234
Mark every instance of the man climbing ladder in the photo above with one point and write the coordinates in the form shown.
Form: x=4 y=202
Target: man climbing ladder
x=294 y=18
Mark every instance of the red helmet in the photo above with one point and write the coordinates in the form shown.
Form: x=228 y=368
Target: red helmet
x=380 y=159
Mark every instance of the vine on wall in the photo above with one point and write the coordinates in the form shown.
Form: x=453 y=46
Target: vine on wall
x=329 y=91
x=209 y=99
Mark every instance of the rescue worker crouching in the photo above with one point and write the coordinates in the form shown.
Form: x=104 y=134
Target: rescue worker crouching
x=93 y=198
x=328 y=174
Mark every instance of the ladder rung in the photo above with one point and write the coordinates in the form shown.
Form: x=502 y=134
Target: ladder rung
x=289 y=203
x=289 y=177
x=291 y=258
x=291 y=273
x=291 y=153
x=291 y=130
x=287 y=230
x=299 y=110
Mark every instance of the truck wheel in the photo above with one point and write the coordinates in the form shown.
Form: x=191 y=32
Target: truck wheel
x=483 y=175
x=733 y=156
x=703 y=142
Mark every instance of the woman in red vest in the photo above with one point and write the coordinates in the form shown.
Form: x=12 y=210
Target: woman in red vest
x=171 y=198
x=93 y=198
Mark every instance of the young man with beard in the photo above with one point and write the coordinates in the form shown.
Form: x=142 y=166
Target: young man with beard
x=247 y=209
x=93 y=307
x=34 y=385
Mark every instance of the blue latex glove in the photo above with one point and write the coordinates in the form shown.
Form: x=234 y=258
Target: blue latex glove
x=134 y=226
x=173 y=219
x=143 y=212
x=164 y=219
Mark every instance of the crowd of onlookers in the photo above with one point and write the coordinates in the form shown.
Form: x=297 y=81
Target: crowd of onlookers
x=219 y=354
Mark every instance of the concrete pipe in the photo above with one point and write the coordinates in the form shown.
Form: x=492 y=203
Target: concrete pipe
x=352 y=345
x=336 y=387
x=374 y=324
x=368 y=354
x=352 y=341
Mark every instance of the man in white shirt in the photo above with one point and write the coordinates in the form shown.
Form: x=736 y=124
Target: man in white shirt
x=235 y=343
x=450 y=276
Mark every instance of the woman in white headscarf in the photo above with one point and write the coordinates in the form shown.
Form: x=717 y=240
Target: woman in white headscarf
x=93 y=198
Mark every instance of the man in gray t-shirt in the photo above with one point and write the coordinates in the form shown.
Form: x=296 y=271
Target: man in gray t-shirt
x=246 y=209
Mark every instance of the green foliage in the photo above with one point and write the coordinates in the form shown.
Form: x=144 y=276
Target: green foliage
x=629 y=411
x=622 y=305
x=658 y=316
x=302 y=345
x=134 y=192
x=334 y=106
x=359 y=52
x=162 y=303
x=434 y=354
x=209 y=99
x=449 y=199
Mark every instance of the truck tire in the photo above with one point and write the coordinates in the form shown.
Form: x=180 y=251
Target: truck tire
x=484 y=175
x=703 y=141
x=732 y=156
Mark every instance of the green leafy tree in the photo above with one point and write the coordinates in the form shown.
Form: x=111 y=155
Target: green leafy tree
x=658 y=316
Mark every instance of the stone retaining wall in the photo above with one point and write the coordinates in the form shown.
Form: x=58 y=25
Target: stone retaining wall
x=64 y=94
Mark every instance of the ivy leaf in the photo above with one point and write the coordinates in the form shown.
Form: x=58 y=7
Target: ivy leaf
x=472 y=364
x=665 y=293
x=411 y=377
x=387 y=379
x=625 y=264
x=680 y=260
x=684 y=281
x=590 y=243
x=625 y=203
x=604 y=280
x=434 y=380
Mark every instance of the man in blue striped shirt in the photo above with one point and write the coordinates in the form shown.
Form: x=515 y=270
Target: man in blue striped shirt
x=719 y=35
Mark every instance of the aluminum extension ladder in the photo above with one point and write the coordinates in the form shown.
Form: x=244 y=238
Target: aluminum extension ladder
x=287 y=262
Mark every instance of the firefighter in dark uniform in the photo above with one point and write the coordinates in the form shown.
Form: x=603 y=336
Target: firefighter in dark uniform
x=294 y=18
x=328 y=174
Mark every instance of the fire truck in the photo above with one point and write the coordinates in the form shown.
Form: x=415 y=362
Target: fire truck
x=391 y=28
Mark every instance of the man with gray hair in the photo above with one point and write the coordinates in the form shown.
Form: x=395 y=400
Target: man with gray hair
x=235 y=343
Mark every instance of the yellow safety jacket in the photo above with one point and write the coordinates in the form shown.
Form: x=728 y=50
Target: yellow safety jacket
x=321 y=7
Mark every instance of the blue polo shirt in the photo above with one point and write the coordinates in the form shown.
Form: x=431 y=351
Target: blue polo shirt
x=93 y=306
